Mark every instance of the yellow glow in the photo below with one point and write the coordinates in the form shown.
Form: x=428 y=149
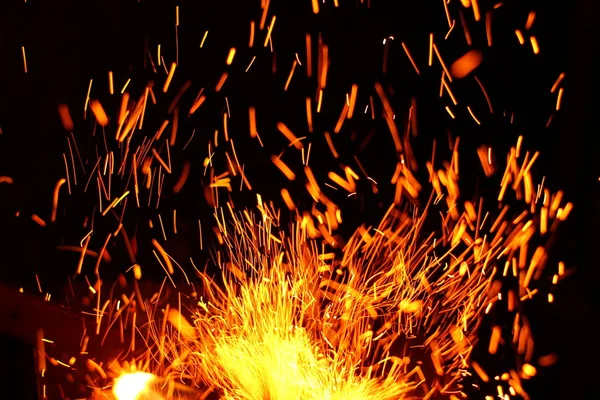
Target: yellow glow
x=131 y=386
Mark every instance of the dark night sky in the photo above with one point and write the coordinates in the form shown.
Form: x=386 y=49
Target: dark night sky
x=68 y=42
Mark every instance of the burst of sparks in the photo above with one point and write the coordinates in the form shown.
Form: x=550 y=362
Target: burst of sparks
x=395 y=311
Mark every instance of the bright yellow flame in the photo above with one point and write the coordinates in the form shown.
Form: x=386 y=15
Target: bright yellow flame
x=131 y=386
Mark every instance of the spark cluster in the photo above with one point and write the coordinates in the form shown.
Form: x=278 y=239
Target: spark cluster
x=422 y=304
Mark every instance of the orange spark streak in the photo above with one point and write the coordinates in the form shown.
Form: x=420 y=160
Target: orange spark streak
x=24 y=59
x=484 y=377
x=495 y=340
x=221 y=82
x=38 y=220
x=439 y=56
x=263 y=19
x=65 y=117
x=558 y=81
x=341 y=119
x=559 y=99
x=309 y=54
x=203 y=39
x=315 y=6
x=466 y=64
x=289 y=79
x=447 y=87
x=283 y=168
x=197 y=104
x=187 y=331
x=534 y=45
x=99 y=112
x=331 y=146
x=530 y=20
x=352 y=102
x=488 y=28
x=289 y=135
x=230 y=56
x=111 y=87
x=269 y=32
x=476 y=12
x=185 y=171
x=84 y=251
x=252 y=114
x=169 y=77
x=309 y=119
x=466 y=31
x=164 y=256
x=55 y=199
x=473 y=115
x=430 y=59
x=520 y=37
x=447 y=13
x=251 y=40
x=285 y=194
x=412 y=61
x=41 y=352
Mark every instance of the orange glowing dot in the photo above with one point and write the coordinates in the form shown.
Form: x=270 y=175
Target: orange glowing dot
x=529 y=370
x=466 y=64
x=137 y=272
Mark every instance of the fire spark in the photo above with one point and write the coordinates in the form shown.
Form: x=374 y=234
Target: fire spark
x=431 y=301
